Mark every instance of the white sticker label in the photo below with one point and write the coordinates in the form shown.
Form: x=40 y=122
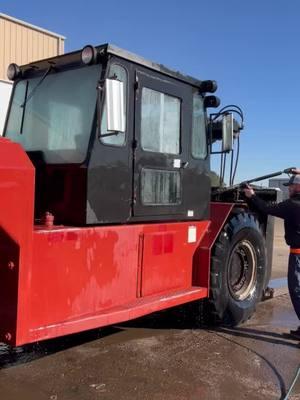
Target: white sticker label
x=190 y=213
x=177 y=163
x=192 y=234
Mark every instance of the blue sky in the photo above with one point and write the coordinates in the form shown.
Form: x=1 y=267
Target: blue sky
x=250 y=48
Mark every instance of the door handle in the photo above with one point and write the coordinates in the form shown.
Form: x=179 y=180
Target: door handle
x=184 y=164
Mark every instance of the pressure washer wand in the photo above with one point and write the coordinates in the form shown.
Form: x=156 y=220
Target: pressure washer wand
x=244 y=184
x=261 y=178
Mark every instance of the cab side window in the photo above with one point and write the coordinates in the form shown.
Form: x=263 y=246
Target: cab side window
x=199 y=141
x=160 y=133
x=118 y=72
x=160 y=187
x=160 y=122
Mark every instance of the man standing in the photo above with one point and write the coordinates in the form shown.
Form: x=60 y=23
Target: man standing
x=289 y=210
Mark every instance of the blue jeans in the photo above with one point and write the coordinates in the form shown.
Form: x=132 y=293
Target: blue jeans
x=294 y=281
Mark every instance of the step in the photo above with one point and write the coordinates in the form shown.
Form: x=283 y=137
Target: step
x=141 y=306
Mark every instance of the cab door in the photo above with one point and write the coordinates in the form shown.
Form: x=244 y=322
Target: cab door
x=170 y=158
x=110 y=167
x=160 y=157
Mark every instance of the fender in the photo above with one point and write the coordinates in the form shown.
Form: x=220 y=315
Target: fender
x=219 y=213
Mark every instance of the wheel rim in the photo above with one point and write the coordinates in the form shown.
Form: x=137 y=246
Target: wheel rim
x=242 y=270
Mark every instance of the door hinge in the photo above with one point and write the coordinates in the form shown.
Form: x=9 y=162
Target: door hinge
x=134 y=144
x=136 y=83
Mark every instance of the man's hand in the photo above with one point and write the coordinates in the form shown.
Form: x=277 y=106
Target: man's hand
x=249 y=192
x=295 y=171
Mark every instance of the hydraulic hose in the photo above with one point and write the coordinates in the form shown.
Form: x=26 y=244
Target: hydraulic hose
x=293 y=384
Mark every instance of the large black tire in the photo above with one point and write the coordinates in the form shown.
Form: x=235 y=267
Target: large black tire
x=238 y=269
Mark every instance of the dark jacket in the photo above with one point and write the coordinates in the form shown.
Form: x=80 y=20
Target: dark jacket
x=289 y=210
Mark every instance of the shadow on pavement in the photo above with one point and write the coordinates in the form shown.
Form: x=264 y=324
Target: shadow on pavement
x=264 y=336
x=10 y=357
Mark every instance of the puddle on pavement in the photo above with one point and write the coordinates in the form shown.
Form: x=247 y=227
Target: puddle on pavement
x=285 y=319
x=278 y=313
x=278 y=283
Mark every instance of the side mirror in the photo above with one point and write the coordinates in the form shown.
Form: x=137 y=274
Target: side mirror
x=114 y=99
x=227 y=133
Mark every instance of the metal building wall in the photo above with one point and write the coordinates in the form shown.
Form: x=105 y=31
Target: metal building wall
x=23 y=43
x=278 y=183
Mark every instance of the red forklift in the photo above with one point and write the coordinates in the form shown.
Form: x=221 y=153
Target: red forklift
x=108 y=212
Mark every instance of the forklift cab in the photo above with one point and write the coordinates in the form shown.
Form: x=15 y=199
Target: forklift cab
x=114 y=138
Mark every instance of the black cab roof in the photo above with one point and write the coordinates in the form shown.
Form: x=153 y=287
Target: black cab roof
x=74 y=58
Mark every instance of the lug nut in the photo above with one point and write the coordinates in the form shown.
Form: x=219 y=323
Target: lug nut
x=8 y=336
x=11 y=265
x=48 y=220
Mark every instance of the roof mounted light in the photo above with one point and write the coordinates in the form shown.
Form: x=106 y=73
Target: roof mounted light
x=208 y=86
x=88 y=55
x=211 y=102
x=13 y=72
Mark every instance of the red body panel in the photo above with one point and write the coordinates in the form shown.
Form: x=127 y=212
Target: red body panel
x=16 y=220
x=83 y=278
x=60 y=280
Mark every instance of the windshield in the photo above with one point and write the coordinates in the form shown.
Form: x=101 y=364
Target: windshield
x=58 y=117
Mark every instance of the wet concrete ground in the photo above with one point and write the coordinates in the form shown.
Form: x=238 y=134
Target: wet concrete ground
x=162 y=356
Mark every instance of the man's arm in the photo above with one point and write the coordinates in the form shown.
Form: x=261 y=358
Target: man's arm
x=277 y=210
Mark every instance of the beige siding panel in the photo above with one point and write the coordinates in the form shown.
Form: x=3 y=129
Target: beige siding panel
x=13 y=41
x=62 y=46
x=18 y=44
x=24 y=41
x=2 y=62
x=54 y=46
x=49 y=46
x=29 y=44
x=41 y=46
x=6 y=41
x=24 y=44
x=35 y=47
x=45 y=47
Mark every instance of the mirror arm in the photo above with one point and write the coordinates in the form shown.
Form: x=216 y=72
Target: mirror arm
x=99 y=89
